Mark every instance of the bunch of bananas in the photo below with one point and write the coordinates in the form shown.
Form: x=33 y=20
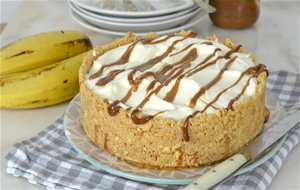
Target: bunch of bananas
x=42 y=69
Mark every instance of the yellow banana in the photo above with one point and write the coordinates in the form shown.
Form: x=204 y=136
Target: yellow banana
x=42 y=49
x=44 y=86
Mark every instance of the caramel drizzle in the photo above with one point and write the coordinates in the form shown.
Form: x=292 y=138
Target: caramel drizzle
x=207 y=43
x=155 y=60
x=180 y=51
x=223 y=91
x=153 y=41
x=168 y=73
x=197 y=96
x=185 y=128
x=236 y=49
x=239 y=95
x=113 y=108
x=110 y=77
x=254 y=71
x=124 y=59
x=170 y=95
x=193 y=101
x=139 y=120
x=151 y=86
x=165 y=81
x=159 y=76
x=200 y=66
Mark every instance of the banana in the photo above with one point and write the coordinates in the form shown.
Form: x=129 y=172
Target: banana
x=42 y=49
x=44 y=86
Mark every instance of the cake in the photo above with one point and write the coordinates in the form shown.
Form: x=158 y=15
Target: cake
x=173 y=101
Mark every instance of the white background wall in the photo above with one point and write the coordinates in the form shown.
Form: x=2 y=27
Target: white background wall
x=8 y=8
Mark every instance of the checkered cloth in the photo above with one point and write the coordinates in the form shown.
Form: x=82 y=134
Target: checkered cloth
x=48 y=160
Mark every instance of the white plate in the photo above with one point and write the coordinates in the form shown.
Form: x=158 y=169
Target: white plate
x=118 y=8
x=137 y=27
x=178 y=28
x=134 y=19
x=111 y=164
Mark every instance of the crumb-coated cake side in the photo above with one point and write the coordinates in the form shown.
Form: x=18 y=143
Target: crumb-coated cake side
x=173 y=101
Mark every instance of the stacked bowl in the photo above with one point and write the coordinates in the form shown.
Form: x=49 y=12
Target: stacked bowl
x=117 y=17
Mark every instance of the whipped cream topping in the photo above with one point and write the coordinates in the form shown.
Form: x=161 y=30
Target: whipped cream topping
x=173 y=76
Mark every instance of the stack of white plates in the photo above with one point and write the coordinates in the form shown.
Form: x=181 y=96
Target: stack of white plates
x=117 y=17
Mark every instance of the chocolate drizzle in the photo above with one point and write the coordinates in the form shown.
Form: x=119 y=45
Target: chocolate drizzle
x=169 y=72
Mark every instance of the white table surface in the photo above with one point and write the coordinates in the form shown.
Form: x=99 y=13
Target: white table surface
x=275 y=40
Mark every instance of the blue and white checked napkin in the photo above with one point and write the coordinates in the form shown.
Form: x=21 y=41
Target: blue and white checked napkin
x=49 y=161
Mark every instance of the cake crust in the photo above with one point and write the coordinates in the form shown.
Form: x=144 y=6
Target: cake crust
x=159 y=142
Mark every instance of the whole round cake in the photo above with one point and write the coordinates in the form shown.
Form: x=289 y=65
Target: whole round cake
x=173 y=101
